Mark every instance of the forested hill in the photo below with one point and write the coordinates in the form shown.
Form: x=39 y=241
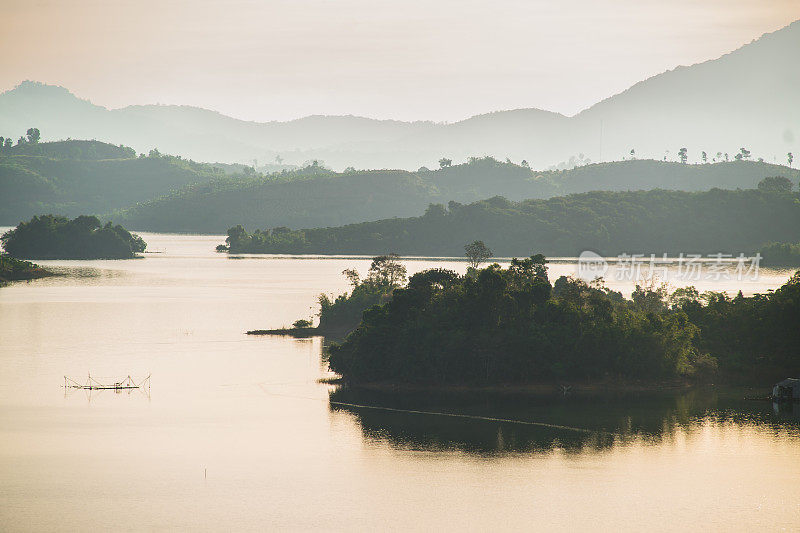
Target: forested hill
x=609 y=223
x=71 y=149
x=296 y=199
x=80 y=177
x=319 y=198
x=482 y=178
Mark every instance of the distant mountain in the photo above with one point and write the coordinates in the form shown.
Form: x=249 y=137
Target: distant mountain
x=192 y=132
x=747 y=98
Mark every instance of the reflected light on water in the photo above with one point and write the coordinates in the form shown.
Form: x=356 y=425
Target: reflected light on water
x=238 y=434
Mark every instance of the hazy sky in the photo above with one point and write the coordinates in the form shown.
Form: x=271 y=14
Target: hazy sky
x=410 y=59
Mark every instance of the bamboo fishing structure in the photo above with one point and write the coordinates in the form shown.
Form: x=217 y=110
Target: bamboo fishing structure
x=93 y=384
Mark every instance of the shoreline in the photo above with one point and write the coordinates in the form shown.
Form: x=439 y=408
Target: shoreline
x=553 y=388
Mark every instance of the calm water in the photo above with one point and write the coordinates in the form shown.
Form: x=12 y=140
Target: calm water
x=237 y=433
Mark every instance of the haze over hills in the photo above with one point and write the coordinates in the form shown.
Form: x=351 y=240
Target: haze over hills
x=747 y=98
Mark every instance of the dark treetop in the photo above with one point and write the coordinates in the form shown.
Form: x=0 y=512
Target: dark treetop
x=55 y=237
x=511 y=325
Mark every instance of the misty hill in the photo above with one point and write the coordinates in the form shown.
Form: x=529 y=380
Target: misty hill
x=79 y=177
x=305 y=197
x=747 y=98
x=321 y=198
x=609 y=223
x=196 y=133
x=72 y=149
x=486 y=177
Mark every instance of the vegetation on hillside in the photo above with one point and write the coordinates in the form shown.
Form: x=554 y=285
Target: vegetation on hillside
x=75 y=177
x=159 y=192
x=512 y=325
x=609 y=223
x=56 y=237
x=316 y=197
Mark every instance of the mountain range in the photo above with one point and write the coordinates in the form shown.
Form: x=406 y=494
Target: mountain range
x=747 y=98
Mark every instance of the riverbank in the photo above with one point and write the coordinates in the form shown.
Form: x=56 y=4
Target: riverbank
x=551 y=387
x=298 y=333
x=746 y=391
x=330 y=334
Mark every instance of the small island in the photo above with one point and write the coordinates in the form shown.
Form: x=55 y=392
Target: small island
x=511 y=328
x=15 y=270
x=85 y=237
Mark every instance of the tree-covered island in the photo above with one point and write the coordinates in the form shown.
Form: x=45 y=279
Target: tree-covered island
x=85 y=237
x=513 y=326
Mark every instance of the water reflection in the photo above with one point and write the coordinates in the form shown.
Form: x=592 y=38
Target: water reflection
x=492 y=424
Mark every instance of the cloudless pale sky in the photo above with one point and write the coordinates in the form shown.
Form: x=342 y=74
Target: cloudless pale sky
x=411 y=59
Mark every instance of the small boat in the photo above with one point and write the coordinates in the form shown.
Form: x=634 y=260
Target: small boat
x=94 y=384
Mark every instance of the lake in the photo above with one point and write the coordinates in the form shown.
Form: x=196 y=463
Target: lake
x=237 y=433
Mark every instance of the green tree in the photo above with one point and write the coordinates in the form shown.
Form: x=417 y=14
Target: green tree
x=444 y=162
x=682 y=155
x=633 y=153
x=33 y=135
x=237 y=237
x=477 y=252
x=8 y=142
x=704 y=157
x=386 y=271
x=789 y=157
x=775 y=184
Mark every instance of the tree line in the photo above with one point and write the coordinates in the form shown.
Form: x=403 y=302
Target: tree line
x=610 y=223
x=31 y=136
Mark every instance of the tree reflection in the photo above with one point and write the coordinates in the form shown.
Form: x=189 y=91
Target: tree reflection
x=490 y=424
